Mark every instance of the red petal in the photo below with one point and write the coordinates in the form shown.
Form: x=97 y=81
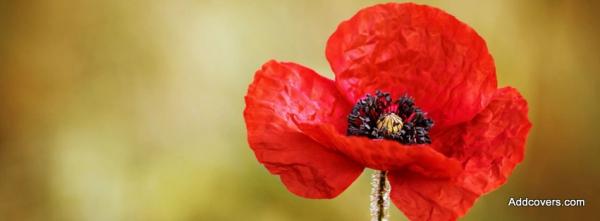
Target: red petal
x=423 y=51
x=307 y=168
x=489 y=147
x=385 y=154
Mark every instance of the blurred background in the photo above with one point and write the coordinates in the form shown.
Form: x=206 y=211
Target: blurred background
x=132 y=110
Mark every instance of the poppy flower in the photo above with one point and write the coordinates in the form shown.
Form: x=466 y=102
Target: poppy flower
x=415 y=95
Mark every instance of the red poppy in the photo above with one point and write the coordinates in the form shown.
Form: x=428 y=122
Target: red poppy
x=452 y=135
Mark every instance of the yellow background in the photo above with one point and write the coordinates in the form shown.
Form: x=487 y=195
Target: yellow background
x=132 y=110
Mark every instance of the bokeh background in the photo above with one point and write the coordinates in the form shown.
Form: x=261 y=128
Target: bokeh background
x=132 y=110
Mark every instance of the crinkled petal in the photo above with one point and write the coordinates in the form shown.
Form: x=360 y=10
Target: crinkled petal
x=420 y=50
x=307 y=168
x=489 y=147
x=384 y=154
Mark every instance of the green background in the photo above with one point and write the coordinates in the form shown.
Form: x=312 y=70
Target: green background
x=132 y=110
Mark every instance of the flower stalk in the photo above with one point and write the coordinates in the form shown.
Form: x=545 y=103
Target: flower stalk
x=380 y=196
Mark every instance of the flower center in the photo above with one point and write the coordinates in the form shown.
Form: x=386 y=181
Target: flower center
x=377 y=117
x=389 y=124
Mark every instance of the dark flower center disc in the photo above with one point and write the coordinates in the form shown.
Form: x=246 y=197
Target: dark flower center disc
x=378 y=117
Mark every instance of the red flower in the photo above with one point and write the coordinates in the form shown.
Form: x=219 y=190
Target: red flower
x=298 y=121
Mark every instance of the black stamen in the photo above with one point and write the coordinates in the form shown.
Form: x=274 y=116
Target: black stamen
x=373 y=111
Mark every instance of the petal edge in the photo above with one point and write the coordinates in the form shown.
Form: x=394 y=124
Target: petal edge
x=416 y=49
x=307 y=168
x=489 y=147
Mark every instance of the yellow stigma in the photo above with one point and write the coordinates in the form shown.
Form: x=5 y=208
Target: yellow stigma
x=390 y=124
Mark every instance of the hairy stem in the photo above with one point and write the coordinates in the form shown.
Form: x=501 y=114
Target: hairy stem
x=380 y=196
